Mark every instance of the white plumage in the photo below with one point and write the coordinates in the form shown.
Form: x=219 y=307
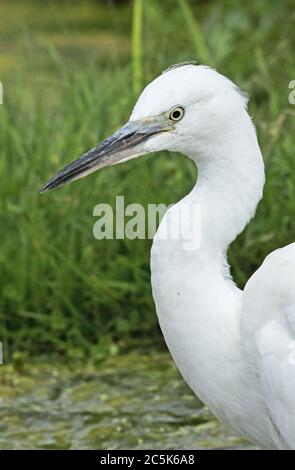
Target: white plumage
x=233 y=348
x=236 y=349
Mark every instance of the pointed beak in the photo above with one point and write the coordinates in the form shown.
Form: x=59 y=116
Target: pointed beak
x=125 y=144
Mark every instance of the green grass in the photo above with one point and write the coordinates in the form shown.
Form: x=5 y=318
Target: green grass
x=62 y=291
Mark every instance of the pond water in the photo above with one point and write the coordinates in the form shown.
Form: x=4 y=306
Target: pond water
x=135 y=401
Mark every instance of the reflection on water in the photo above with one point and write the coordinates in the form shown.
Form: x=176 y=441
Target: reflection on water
x=135 y=402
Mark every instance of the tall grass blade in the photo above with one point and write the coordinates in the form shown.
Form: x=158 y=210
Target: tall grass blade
x=197 y=37
x=137 y=45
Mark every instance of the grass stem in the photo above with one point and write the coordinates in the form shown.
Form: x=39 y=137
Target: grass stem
x=137 y=45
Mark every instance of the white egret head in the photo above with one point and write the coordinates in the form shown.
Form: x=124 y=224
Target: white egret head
x=185 y=108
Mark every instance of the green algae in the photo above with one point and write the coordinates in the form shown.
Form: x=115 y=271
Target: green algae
x=136 y=401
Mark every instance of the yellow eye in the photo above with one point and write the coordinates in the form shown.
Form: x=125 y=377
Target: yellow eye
x=176 y=113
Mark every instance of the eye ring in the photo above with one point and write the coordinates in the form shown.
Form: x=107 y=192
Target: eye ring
x=176 y=113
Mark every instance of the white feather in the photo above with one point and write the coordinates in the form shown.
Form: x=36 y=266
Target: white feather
x=230 y=346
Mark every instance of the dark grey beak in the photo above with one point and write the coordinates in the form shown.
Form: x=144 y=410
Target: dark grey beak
x=124 y=144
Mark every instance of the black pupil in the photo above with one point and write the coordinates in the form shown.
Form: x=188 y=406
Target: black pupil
x=176 y=114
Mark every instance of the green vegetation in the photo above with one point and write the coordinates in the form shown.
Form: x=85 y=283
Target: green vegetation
x=69 y=71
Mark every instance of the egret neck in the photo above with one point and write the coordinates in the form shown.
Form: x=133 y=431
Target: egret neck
x=197 y=303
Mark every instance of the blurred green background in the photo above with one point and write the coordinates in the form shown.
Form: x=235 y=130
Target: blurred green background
x=71 y=72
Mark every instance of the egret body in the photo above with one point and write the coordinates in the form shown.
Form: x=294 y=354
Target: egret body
x=231 y=346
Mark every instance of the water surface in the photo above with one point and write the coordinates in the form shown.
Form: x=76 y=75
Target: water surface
x=134 y=401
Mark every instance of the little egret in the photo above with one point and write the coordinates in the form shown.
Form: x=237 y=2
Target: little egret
x=233 y=347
